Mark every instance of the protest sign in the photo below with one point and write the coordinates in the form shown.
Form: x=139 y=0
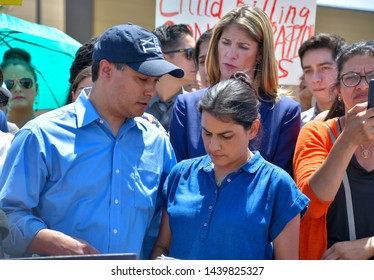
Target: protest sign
x=293 y=22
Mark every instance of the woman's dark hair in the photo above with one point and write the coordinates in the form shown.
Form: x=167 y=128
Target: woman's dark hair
x=337 y=109
x=83 y=59
x=203 y=38
x=18 y=56
x=358 y=48
x=17 y=53
x=234 y=100
x=83 y=74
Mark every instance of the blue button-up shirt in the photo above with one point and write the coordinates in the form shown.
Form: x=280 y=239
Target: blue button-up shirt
x=238 y=220
x=66 y=171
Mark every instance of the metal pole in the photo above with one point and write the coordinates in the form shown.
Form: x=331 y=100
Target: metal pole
x=39 y=11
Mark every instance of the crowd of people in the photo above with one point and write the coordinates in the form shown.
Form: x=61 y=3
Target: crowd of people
x=192 y=150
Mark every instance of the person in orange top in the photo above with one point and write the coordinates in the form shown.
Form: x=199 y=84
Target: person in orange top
x=339 y=223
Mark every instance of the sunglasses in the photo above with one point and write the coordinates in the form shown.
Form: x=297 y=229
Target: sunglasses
x=3 y=100
x=24 y=82
x=189 y=52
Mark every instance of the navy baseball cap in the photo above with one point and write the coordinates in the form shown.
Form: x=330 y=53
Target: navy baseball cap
x=136 y=47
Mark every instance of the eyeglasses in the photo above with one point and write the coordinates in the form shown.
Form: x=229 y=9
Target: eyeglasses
x=3 y=100
x=353 y=79
x=189 y=52
x=24 y=82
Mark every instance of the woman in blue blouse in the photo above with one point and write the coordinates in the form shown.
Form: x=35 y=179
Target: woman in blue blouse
x=231 y=203
x=242 y=41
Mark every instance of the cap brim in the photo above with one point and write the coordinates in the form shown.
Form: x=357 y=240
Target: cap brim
x=157 y=68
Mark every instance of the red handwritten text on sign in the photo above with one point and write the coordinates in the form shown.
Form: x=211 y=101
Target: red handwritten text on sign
x=292 y=20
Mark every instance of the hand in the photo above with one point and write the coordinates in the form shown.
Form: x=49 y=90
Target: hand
x=75 y=246
x=361 y=249
x=359 y=122
x=55 y=243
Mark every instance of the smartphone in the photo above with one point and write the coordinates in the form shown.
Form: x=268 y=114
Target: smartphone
x=371 y=94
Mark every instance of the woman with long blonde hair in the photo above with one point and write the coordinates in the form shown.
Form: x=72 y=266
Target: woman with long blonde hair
x=242 y=41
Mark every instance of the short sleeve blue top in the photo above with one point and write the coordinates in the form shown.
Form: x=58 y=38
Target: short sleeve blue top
x=238 y=220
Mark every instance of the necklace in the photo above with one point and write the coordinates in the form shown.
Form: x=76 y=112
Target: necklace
x=218 y=182
x=366 y=152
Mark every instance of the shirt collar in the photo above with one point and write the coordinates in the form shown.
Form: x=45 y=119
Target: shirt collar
x=156 y=99
x=86 y=112
x=316 y=111
x=250 y=167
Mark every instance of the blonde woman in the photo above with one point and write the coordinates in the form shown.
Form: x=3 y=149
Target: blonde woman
x=242 y=41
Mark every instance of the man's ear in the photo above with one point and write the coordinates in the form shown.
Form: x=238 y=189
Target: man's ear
x=105 y=69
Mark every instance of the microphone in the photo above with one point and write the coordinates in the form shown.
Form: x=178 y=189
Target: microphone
x=4 y=231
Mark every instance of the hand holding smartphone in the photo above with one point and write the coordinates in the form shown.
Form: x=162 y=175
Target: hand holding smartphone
x=371 y=94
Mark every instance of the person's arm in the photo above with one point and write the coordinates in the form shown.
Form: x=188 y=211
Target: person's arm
x=361 y=249
x=332 y=170
x=54 y=243
x=283 y=124
x=286 y=245
x=178 y=128
x=162 y=244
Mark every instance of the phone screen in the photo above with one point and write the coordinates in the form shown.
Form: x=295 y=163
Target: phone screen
x=371 y=94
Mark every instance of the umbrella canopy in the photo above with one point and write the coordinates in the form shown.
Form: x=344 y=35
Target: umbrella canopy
x=52 y=53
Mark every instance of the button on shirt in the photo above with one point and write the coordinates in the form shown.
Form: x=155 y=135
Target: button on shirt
x=238 y=220
x=73 y=175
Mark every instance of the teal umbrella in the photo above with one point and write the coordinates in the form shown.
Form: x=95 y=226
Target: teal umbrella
x=52 y=53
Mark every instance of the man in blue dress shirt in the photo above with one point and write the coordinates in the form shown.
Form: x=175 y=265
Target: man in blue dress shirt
x=85 y=178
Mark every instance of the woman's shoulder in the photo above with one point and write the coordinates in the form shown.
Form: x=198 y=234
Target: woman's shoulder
x=195 y=162
x=317 y=130
x=282 y=97
x=282 y=102
x=320 y=125
x=287 y=101
x=191 y=96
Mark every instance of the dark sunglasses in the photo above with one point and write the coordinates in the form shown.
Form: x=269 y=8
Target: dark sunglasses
x=24 y=82
x=3 y=100
x=189 y=52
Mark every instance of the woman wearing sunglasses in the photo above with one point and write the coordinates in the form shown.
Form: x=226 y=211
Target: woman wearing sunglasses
x=242 y=41
x=334 y=167
x=20 y=80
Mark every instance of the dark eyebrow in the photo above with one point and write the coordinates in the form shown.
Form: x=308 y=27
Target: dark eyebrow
x=320 y=64
x=222 y=133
